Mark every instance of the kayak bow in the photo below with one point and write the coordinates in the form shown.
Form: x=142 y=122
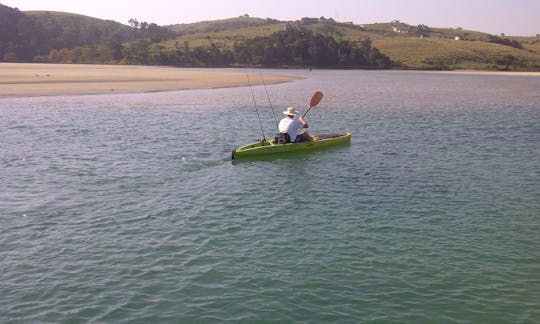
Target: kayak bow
x=264 y=148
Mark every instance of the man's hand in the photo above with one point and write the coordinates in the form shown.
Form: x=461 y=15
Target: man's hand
x=301 y=119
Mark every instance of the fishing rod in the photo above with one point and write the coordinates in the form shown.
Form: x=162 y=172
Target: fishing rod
x=256 y=108
x=269 y=101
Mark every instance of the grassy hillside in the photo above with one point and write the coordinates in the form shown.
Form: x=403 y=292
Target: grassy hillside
x=220 y=25
x=410 y=47
x=226 y=37
x=531 y=44
x=400 y=29
x=69 y=30
x=34 y=35
x=433 y=53
x=25 y=36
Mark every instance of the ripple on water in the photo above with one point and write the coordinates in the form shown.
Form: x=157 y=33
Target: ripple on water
x=122 y=208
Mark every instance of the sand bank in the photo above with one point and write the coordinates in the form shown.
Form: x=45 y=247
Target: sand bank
x=28 y=79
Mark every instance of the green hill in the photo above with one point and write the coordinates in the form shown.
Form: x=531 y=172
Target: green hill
x=409 y=47
x=531 y=44
x=432 y=53
x=71 y=38
x=71 y=30
x=27 y=35
x=220 y=25
x=226 y=35
x=32 y=35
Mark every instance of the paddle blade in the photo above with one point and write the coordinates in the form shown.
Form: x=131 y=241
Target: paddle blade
x=317 y=97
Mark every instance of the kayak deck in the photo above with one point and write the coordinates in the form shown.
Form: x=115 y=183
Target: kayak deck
x=264 y=148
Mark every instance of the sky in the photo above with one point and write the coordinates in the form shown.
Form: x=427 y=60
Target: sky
x=512 y=18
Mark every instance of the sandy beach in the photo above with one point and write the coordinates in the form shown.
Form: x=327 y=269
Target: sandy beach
x=29 y=79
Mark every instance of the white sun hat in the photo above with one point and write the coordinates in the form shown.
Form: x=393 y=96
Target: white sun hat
x=290 y=111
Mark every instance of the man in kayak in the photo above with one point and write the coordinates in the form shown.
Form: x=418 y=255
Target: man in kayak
x=293 y=126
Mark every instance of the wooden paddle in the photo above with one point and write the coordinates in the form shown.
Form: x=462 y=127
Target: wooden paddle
x=317 y=97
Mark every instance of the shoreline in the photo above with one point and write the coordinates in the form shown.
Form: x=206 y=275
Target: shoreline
x=44 y=79
x=41 y=79
x=482 y=72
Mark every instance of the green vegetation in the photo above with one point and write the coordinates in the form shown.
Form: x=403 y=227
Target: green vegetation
x=31 y=36
x=35 y=35
x=220 y=25
x=443 y=54
x=245 y=41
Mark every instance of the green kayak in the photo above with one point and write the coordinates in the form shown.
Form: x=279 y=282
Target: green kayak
x=265 y=148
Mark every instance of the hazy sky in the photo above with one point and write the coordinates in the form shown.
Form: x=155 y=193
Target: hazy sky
x=517 y=17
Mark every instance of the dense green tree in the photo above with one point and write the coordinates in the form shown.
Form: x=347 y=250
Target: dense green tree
x=509 y=62
x=505 y=41
x=136 y=52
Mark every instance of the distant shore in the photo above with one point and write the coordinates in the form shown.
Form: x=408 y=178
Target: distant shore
x=35 y=79
x=480 y=72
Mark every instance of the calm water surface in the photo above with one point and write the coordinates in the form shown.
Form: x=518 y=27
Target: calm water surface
x=123 y=208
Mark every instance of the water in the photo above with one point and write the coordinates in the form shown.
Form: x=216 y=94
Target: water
x=122 y=208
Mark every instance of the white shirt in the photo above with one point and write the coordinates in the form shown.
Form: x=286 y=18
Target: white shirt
x=290 y=126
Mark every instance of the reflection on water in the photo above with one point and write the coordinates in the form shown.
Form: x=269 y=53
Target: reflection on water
x=127 y=207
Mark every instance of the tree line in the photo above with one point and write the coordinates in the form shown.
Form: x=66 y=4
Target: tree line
x=298 y=46
x=290 y=47
x=505 y=41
